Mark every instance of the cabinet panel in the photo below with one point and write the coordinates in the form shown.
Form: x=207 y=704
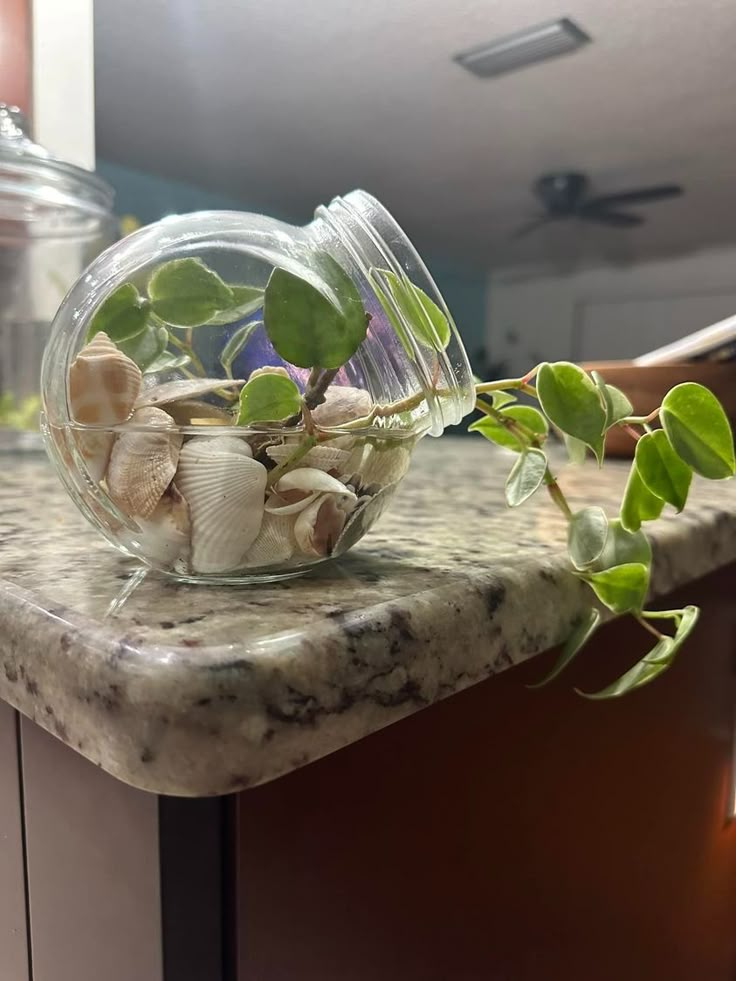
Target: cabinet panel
x=93 y=868
x=512 y=835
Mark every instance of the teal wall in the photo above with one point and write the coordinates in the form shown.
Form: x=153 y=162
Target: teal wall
x=149 y=198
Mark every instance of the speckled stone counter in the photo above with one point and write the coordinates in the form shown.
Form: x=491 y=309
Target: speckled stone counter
x=206 y=690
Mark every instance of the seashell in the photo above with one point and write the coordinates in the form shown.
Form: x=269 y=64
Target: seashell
x=342 y=404
x=224 y=488
x=298 y=488
x=275 y=542
x=363 y=517
x=193 y=412
x=220 y=444
x=164 y=537
x=103 y=386
x=385 y=465
x=318 y=527
x=143 y=464
x=184 y=388
x=319 y=457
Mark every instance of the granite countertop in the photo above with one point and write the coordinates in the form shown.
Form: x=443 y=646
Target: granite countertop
x=195 y=690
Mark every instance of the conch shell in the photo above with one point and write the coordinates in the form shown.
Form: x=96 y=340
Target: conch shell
x=143 y=464
x=342 y=404
x=318 y=527
x=103 y=386
x=224 y=488
x=298 y=488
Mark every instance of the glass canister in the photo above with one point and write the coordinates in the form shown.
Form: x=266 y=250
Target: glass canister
x=230 y=398
x=54 y=219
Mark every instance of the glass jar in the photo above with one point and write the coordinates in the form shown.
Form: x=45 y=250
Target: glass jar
x=230 y=398
x=54 y=219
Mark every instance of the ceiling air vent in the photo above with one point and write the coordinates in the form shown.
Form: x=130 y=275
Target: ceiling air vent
x=523 y=48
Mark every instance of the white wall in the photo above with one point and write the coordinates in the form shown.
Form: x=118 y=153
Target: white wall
x=605 y=312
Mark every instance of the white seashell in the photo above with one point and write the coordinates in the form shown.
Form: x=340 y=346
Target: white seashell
x=309 y=480
x=319 y=457
x=184 y=388
x=342 y=404
x=206 y=445
x=164 y=537
x=103 y=386
x=192 y=412
x=385 y=465
x=317 y=529
x=224 y=488
x=292 y=503
x=275 y=542
x=143 y=464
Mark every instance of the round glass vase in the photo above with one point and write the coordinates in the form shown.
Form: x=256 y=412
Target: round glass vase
x=188 y=417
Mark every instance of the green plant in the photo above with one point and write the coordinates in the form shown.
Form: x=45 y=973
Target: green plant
x=317 y=321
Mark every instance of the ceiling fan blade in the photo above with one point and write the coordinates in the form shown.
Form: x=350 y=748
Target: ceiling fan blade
x=616 y=219
x=530 y=227
x=640 y=195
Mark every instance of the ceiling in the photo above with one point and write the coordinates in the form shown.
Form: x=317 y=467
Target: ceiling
x=285 y=103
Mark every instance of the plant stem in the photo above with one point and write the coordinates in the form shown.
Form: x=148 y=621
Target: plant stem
x=640 y=420
x=514 y=384
x=648 y=626
x=301 y=450
x=186 y=349
x=317 y=386
x=555 y=492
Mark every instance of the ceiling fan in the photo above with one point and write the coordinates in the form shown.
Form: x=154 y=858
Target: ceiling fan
x=564 y=195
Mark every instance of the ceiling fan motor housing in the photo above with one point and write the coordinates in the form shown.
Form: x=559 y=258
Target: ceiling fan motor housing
x=561 y=193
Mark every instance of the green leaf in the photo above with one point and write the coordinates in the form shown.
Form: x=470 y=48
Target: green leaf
x=662 y=470
x=500 y=399
x=638 y=504
x=268 y=398
x=186 y=293
x=124 y=314
x=236 y=343
x=576 y=449
x=571 y=401
x=574 y=643
x=699 y=430
x=526 y=477
x=622 y=588
x=146 y=348
x=656 y=661
x=615 y=403
x=248 y=299
x=586 y=536
x=167 y=362
x=622 y=547
x=496 y=432
x=314 y=324
x=423 y=318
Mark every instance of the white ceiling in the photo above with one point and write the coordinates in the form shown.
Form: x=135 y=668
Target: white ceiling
x=285 y=103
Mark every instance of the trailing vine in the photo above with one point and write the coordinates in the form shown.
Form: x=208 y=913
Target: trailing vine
x=319 y=324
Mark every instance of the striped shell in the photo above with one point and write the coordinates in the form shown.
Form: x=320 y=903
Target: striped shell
x=103 y=387
x=224 y=488
x=143 y=464
x=184 y=388
x=319 y=457
x=275 y=542
x=384 y=466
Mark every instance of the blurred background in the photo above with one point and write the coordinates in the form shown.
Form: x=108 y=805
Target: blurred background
x=450 y=114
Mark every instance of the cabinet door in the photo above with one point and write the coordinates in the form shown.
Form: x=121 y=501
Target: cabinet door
x=13 y=935
x=512 y=835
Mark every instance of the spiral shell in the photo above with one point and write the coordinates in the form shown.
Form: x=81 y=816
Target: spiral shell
x=342 y=404
x=103 y=386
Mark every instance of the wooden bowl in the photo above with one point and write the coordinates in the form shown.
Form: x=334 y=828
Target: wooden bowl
x=646 y=386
